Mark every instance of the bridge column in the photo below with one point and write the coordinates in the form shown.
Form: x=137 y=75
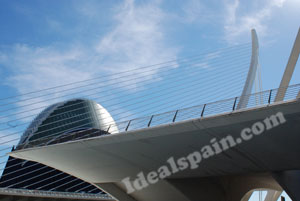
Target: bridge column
x=221 y=188
x=273 y=195
x=247 y=196
x=240 y=188
x=290 y=182
x=115 y=191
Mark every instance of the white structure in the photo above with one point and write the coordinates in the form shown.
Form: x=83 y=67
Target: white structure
x=252 y=72
x=289 y=70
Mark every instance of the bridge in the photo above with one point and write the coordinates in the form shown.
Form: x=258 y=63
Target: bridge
x=7 y=194
x=119 y=156
x=106 y=160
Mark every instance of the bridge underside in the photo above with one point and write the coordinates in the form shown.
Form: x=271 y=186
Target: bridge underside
x=265 y=162
x=222 y=188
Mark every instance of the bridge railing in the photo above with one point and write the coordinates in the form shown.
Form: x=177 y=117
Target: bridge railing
x=209 y=109
x=54 y=194
x=199 y=111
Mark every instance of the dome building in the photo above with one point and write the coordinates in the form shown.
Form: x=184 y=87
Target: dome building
x=68 y=120
x=60 y=122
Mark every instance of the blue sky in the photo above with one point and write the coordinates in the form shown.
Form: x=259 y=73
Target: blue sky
x=70 y=37
x=50 y=43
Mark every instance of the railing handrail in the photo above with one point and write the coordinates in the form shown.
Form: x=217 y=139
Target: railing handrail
x=58 y=194
x=150 y=118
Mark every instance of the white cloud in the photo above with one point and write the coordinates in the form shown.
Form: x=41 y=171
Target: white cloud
x=195 y=11
x=34 y=68
x=237 y=25
x=136 y=39
x=205 y=62
x=278 y=3
x=204 y=65
x=212 y=55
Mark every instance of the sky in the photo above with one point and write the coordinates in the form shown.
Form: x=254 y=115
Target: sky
x=51 y=43
x=79 y=39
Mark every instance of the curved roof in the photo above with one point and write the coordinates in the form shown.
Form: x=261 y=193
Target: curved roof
x=67 y=117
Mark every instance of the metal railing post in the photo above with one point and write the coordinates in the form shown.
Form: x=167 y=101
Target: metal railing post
x=108 y=128
x=270 y=95
x=233 y=108
x=128 y=125
x=174 y=118
x=202 y=113
x=150 y=121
